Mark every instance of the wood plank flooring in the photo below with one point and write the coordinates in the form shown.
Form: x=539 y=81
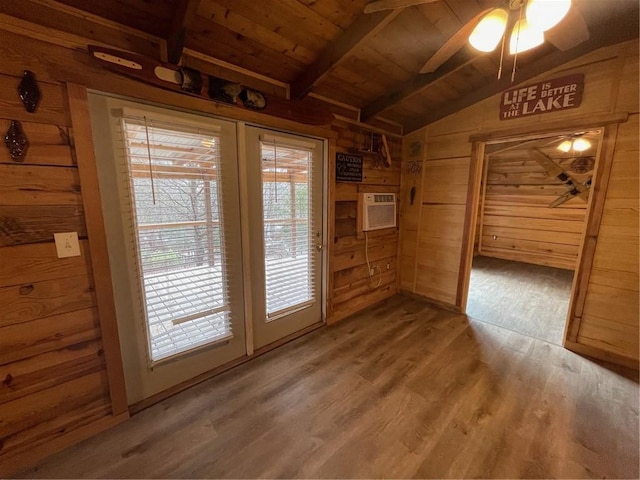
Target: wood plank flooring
x=400 y=390
x=525 y=298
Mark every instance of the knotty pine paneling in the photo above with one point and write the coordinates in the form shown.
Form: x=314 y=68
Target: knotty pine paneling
x=516 y=220
x=48 y=334
x=351 y=289
x=610 y=315
x=611 y=79
x=413 y=156
x=52 y=362
x=82 y=24
x=51 y=110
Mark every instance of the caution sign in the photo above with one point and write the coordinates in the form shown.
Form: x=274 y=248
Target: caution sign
x=348 y=167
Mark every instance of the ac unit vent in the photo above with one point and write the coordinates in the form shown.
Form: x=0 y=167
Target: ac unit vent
x=379 y=211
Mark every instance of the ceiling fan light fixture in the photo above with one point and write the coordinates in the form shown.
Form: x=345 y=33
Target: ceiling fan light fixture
x=577 y=144
x=524 y=37
x=581 y=144
x=545 y=14
x=487 y=34
x=565 y=146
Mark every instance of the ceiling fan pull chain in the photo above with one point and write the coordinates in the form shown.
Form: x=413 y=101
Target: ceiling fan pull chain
x=515 y=57
x=501 y=56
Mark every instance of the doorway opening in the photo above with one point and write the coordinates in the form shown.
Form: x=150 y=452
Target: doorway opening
x=532 y=210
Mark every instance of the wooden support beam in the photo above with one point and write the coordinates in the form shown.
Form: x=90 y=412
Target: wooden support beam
x=417 y=84
x=365 y=27
x=618 y=30
x=183 y=18
x=380 y=5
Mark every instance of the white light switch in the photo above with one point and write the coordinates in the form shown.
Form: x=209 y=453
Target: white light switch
x=67 y=244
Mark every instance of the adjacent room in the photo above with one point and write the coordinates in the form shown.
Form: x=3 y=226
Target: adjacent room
x=530 y=230
x=319 y=239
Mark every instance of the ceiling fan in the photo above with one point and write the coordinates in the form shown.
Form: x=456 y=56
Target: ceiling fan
x=531 y=22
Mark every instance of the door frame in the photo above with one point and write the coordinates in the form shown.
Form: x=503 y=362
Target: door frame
x=595 y=206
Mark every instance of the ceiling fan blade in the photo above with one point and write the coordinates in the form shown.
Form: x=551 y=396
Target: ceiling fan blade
x=379 y=5
x=451 y=46
x=570 y=32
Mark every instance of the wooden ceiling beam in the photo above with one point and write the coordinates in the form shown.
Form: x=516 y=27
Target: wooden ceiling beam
x=365 y=27
x=183 y=19
x=381 y=5
x=618 y=30
x=417 y=84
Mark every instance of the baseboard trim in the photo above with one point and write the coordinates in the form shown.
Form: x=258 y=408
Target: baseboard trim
x=600 y=354
x=435 y=303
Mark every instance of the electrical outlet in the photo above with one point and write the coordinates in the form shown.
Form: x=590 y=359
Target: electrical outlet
x=388 y=265
x=67 y=244
x=372 y=271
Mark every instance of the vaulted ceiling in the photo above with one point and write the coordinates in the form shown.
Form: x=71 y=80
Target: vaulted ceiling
x=369 y=63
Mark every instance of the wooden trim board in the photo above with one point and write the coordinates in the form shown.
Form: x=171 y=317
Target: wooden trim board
x=602 y=172
x=566 y=125
x=590 y=351
x=470 y=221
x=87 y=171
x=436 y=303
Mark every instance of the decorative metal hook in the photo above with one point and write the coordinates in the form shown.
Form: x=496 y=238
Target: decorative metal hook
x=29 y=91
x=16 y=141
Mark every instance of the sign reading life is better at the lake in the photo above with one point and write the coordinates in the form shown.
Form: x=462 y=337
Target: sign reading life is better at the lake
x=544 y=97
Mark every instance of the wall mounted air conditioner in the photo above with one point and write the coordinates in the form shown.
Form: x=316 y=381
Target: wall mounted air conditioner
x=378 y=211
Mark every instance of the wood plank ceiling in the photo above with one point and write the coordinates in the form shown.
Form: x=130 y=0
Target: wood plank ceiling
x=369 y=61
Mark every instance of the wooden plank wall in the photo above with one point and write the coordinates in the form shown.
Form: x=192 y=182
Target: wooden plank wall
x=434 y=224
x=52 y=359
x=609 y=319
x=350 y=286
x=414 y=154
x=611 y=80
x=517 y=222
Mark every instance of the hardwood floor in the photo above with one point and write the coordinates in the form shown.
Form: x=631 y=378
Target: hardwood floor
x=400 y=390
x=525 y=298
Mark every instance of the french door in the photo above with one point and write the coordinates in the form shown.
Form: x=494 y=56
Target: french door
x=285 y=185
x=196 y=264
x=169 y=186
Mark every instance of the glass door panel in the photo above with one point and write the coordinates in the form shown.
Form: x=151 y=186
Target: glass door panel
x=285 y=198
x=174 y=184
x=170 y=193
x=288 y=238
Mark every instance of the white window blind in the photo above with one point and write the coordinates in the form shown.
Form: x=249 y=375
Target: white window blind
x=174 y=183
x=288 y=230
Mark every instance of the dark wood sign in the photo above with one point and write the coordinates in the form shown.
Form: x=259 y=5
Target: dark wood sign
x=348 y=167
x=544 y=97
